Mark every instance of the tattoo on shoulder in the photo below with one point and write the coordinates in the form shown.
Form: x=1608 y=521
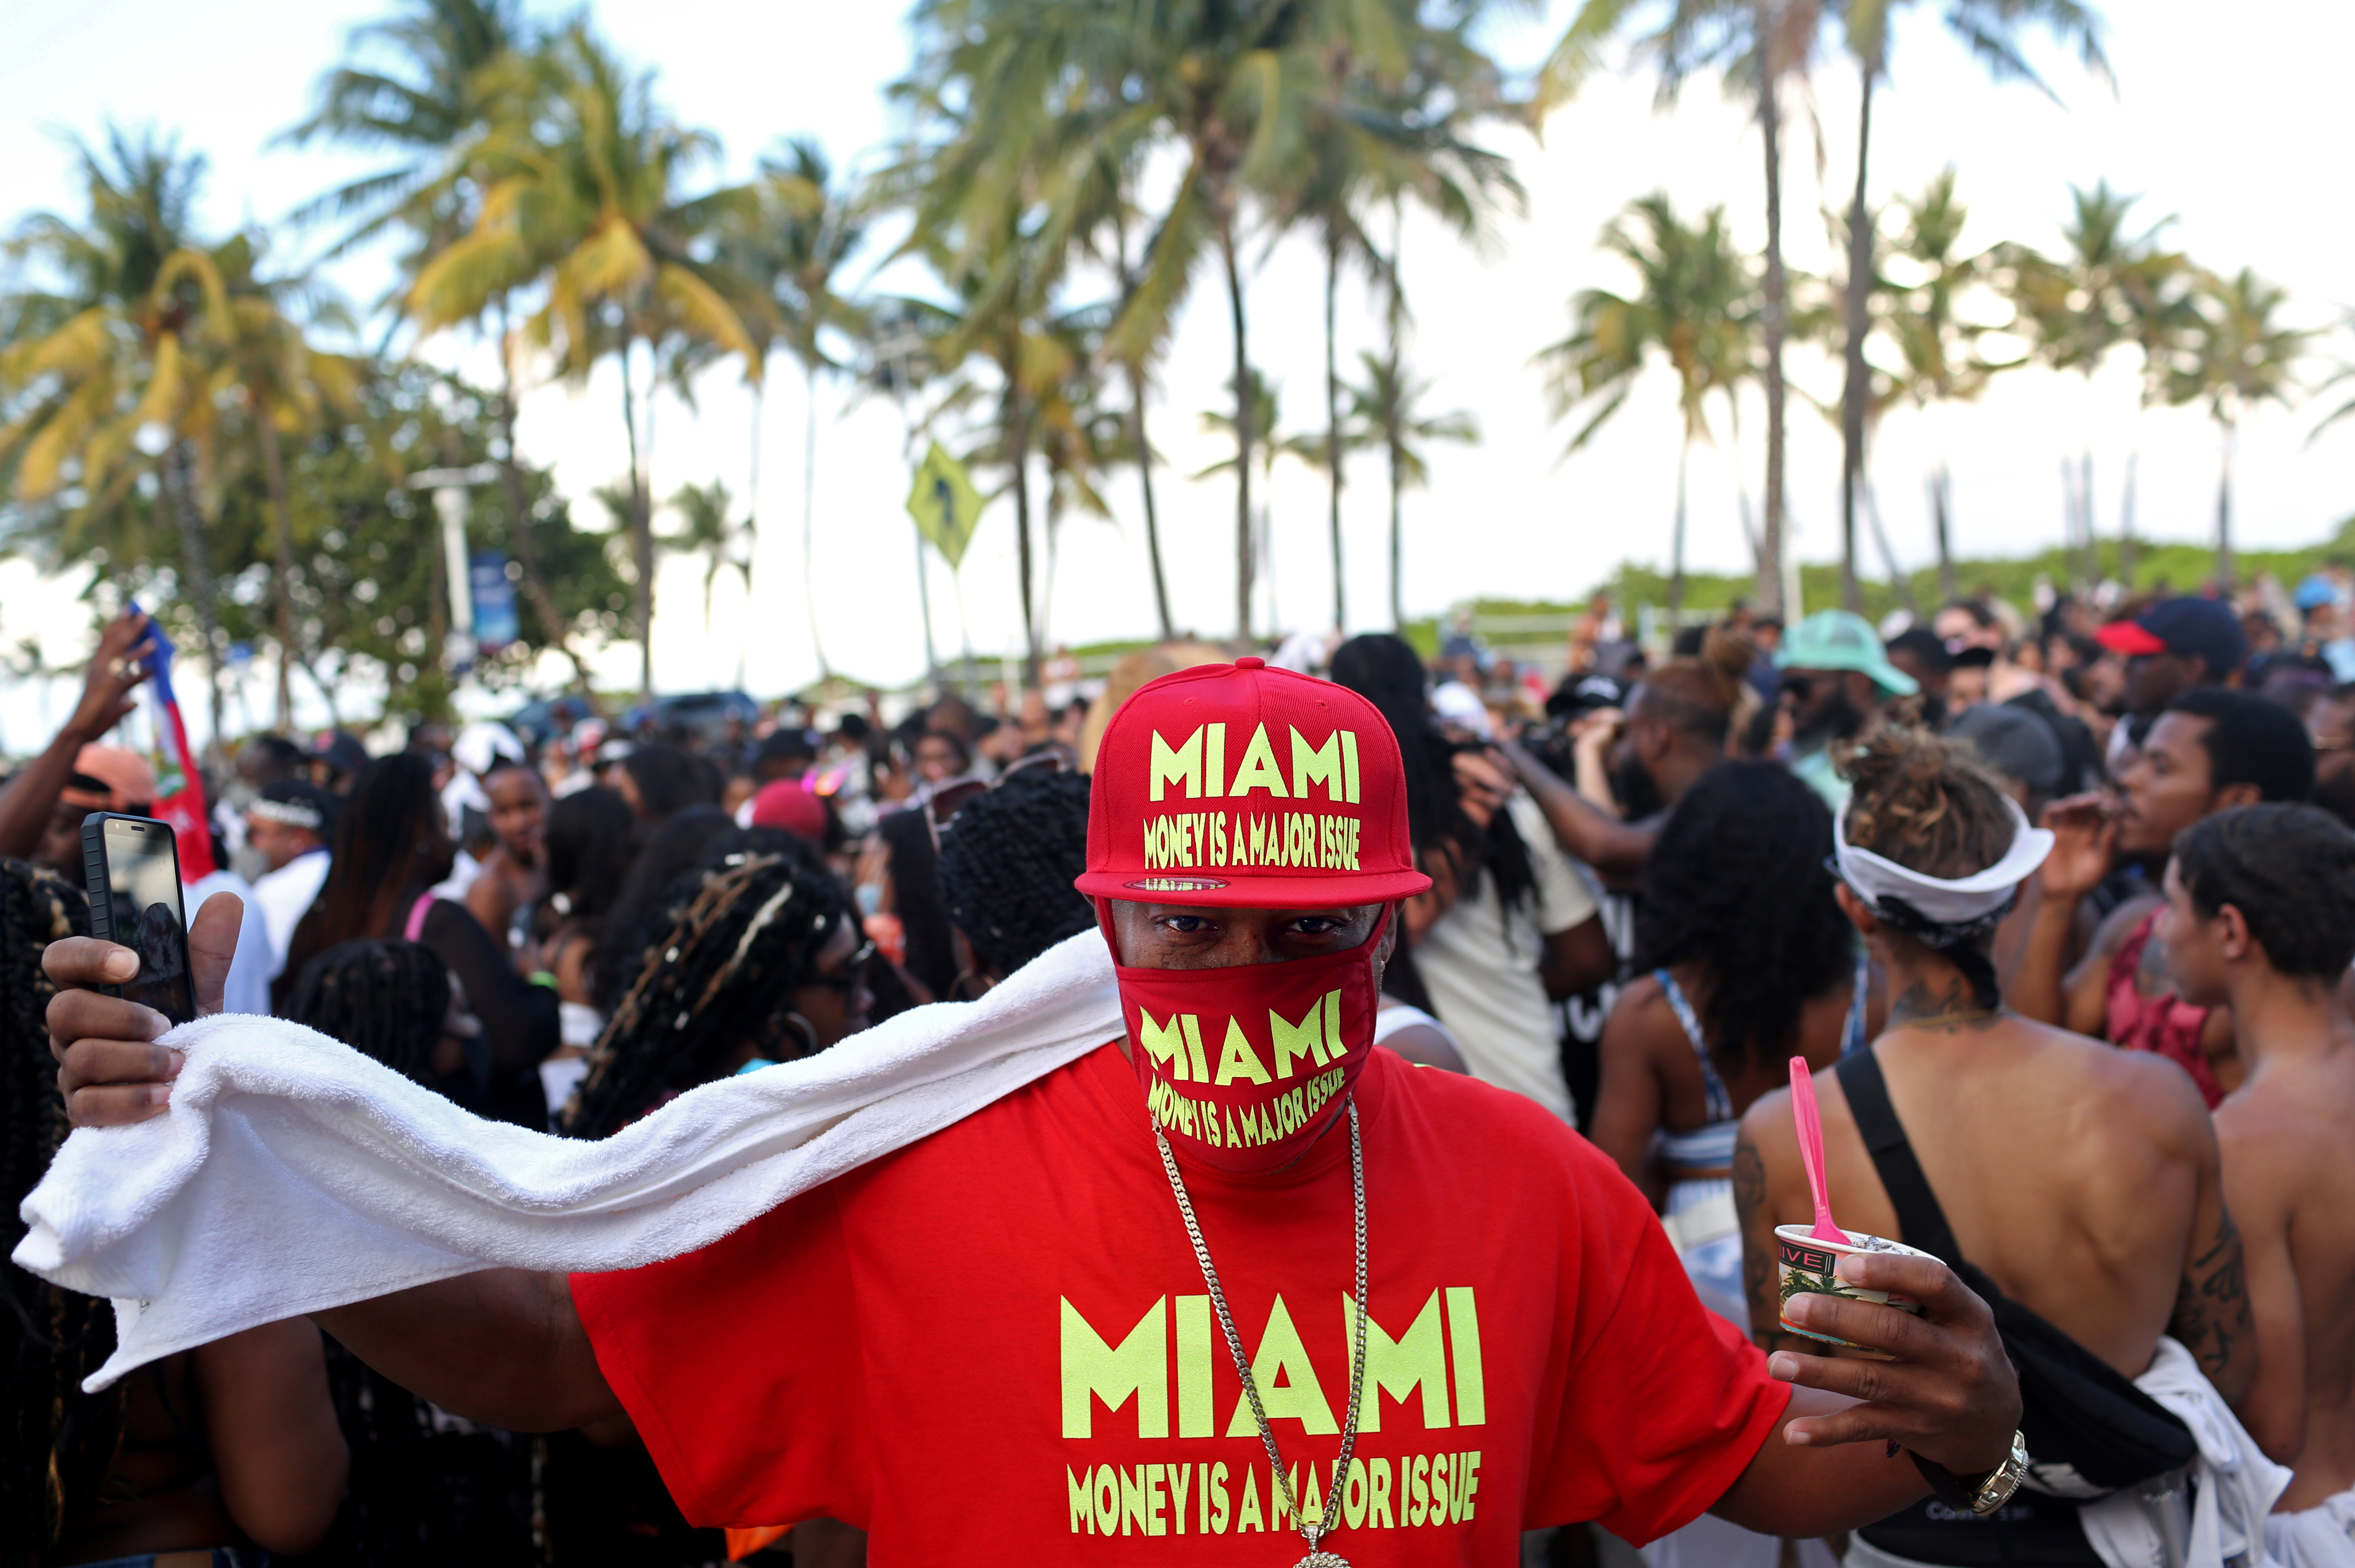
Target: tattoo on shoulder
x=2212 y=1308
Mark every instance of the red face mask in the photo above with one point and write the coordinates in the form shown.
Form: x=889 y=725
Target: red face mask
x=1244 y=1067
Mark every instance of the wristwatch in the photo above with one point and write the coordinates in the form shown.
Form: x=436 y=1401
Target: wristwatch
x=1982 y=1495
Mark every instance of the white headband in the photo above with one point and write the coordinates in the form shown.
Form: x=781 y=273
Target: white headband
x=292 y=813
x=1943 y=902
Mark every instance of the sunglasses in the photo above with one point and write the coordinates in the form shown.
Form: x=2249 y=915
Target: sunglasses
x=852 y=975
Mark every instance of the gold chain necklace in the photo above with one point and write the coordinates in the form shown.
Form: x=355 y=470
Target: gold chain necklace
x=1312 y=1529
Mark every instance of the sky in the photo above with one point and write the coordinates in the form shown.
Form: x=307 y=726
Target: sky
x=2216 y=128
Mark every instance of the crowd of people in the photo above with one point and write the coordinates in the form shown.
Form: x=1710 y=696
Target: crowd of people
x=2057 y=912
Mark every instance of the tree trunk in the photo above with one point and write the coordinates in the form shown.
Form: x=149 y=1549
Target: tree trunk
x=1859 y=390
x=1677 y=533
x=1942 y=524
x=1394 y=439
x=1333 y=419
x=753 y=535
x=1773 y=326
x=1245 y=554
x=2225 y=511
x=1144 y=484
x=194 y=556
x=526 y=553
x=2126 y=524
x=809 y=521
x=1016 y=425
x=281 y=586
x=2089 y=559
x=642 y=533
x=1898 y=579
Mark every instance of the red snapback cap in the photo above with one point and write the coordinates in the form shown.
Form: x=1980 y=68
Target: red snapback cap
x=1247 y=786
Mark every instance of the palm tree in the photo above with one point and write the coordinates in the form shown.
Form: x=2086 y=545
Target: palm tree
x=447 y=66
x=708 y=533
x=2082 y=306
x=105 y=371
x=1937 y=345
x=2239 y=357
x=1759 y=44
x=1386 y=410
x=582 y=197
x=818 y=224
x=1695 y=304
x=2342 y=372
x=287 y=386
x=1271 y=446
x=1989 y=30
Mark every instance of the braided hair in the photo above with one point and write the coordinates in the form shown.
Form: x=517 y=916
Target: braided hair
x=1736 y=887
x=719 y=956
x=386 y=1000
x=1926 y=803
x=1008 y=863
x=59 y=1442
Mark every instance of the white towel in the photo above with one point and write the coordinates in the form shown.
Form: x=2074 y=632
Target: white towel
x=2233 y=1485
x=292 y=1174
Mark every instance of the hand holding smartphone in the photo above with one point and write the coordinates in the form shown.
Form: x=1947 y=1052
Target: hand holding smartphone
x=131 y=867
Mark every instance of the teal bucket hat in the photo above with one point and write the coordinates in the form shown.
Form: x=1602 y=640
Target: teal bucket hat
x=1836 y=639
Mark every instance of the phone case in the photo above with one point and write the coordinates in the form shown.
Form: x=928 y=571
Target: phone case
x=94 y=873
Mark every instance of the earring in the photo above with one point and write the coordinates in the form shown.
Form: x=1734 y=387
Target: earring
x=801 y=1026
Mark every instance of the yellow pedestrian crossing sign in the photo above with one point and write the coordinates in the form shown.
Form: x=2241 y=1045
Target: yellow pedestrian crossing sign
x=944 y=503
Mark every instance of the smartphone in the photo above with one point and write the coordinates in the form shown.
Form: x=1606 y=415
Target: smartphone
x=132 y=865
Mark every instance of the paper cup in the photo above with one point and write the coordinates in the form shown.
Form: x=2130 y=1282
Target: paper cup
x=1804 y=1265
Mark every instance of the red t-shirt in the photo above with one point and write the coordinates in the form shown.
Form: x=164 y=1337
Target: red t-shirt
x=995 y=1346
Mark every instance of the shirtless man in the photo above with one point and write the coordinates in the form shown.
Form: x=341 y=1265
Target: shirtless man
x=2210 y=751
x=2261 y=914
x=515 y=874
x=2115 y=1147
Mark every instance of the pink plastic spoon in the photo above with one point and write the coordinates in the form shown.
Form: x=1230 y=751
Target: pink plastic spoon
x=1810 y=1124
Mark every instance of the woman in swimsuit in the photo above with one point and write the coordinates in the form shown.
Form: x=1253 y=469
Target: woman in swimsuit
x=1746 y=960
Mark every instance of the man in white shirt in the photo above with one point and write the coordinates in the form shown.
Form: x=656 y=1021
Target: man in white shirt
x=288 y=826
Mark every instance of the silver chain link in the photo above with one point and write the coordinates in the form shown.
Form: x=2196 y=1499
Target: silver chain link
x=1331 y=1504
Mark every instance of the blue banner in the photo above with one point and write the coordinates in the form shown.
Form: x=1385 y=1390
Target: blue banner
x=495 y=604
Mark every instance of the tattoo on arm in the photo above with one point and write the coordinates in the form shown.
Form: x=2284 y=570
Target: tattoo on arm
x=2212 y=1309
x=1757 y=1245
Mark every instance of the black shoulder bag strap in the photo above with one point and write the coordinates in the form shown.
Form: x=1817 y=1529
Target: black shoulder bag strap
x=1919 y=1221
x=2088 y=1429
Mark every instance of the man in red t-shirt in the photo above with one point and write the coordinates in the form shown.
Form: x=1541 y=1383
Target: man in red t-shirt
x=1238 y=1283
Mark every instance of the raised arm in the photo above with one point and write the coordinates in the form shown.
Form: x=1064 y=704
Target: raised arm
x=2042 y=985
x=1614 y=848
x=115 y=670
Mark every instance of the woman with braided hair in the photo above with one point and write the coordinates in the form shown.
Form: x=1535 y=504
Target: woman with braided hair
x=2004 y=1146
x=227 y=1446
x=756 y=959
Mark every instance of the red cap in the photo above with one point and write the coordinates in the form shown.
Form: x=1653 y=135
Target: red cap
x=2131 y=638
x=785 y=803
x=1245 y=786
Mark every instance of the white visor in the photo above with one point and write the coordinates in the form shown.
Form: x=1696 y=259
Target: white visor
x=1956 y=902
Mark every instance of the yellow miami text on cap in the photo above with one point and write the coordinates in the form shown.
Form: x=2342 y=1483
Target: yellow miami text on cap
x=1198 y=761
